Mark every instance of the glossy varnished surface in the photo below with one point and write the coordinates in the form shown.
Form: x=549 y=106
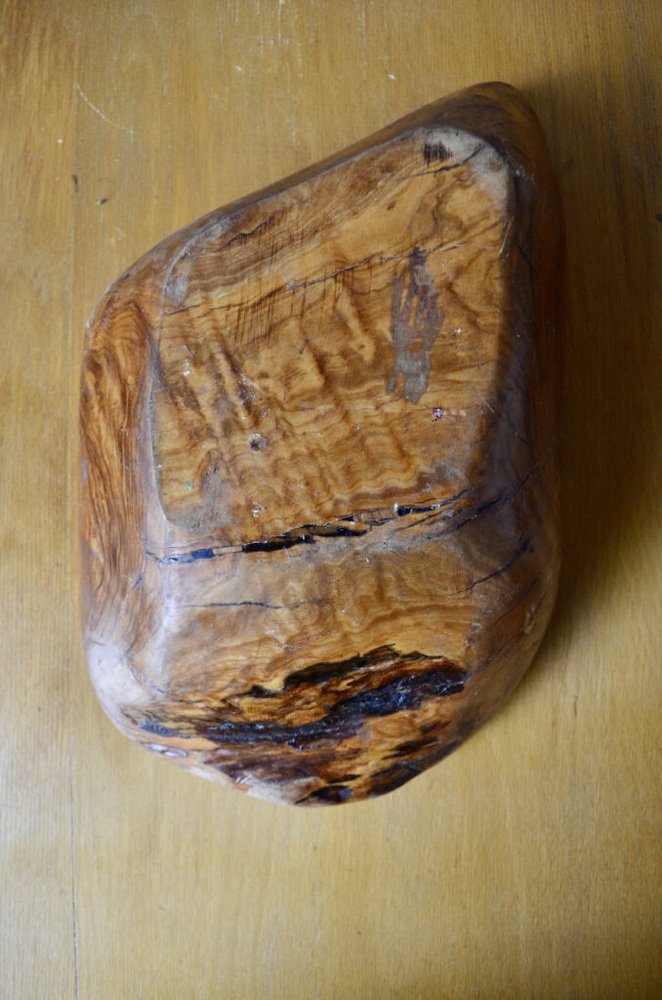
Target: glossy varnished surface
x=527 y=863
x=319 y=524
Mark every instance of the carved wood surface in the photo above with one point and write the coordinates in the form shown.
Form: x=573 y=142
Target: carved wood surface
x=319 y=492
x=527 y=863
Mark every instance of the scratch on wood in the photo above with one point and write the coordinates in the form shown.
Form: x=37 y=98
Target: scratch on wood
x=415 y=325
x=104 y=117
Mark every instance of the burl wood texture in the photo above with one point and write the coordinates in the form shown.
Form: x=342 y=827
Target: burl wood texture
x=319 y=515
x=526 y=866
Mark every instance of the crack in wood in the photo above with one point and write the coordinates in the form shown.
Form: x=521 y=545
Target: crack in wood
x=348 y=526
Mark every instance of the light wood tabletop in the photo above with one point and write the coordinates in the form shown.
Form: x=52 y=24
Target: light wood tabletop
x=527 y=864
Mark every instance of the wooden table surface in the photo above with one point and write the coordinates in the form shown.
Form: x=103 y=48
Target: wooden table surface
x=527 y=865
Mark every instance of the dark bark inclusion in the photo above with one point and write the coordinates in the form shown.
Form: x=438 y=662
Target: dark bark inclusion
x=342 y=720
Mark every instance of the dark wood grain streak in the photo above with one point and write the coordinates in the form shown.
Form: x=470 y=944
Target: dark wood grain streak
x=319 y=498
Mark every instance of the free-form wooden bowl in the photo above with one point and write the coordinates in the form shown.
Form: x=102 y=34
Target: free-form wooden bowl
x=319 y=505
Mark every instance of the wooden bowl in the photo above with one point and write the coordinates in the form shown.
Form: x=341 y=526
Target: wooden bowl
x=319 y=498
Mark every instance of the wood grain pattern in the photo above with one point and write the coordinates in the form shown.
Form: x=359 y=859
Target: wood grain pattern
x=527 y=864
x=319 y=514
